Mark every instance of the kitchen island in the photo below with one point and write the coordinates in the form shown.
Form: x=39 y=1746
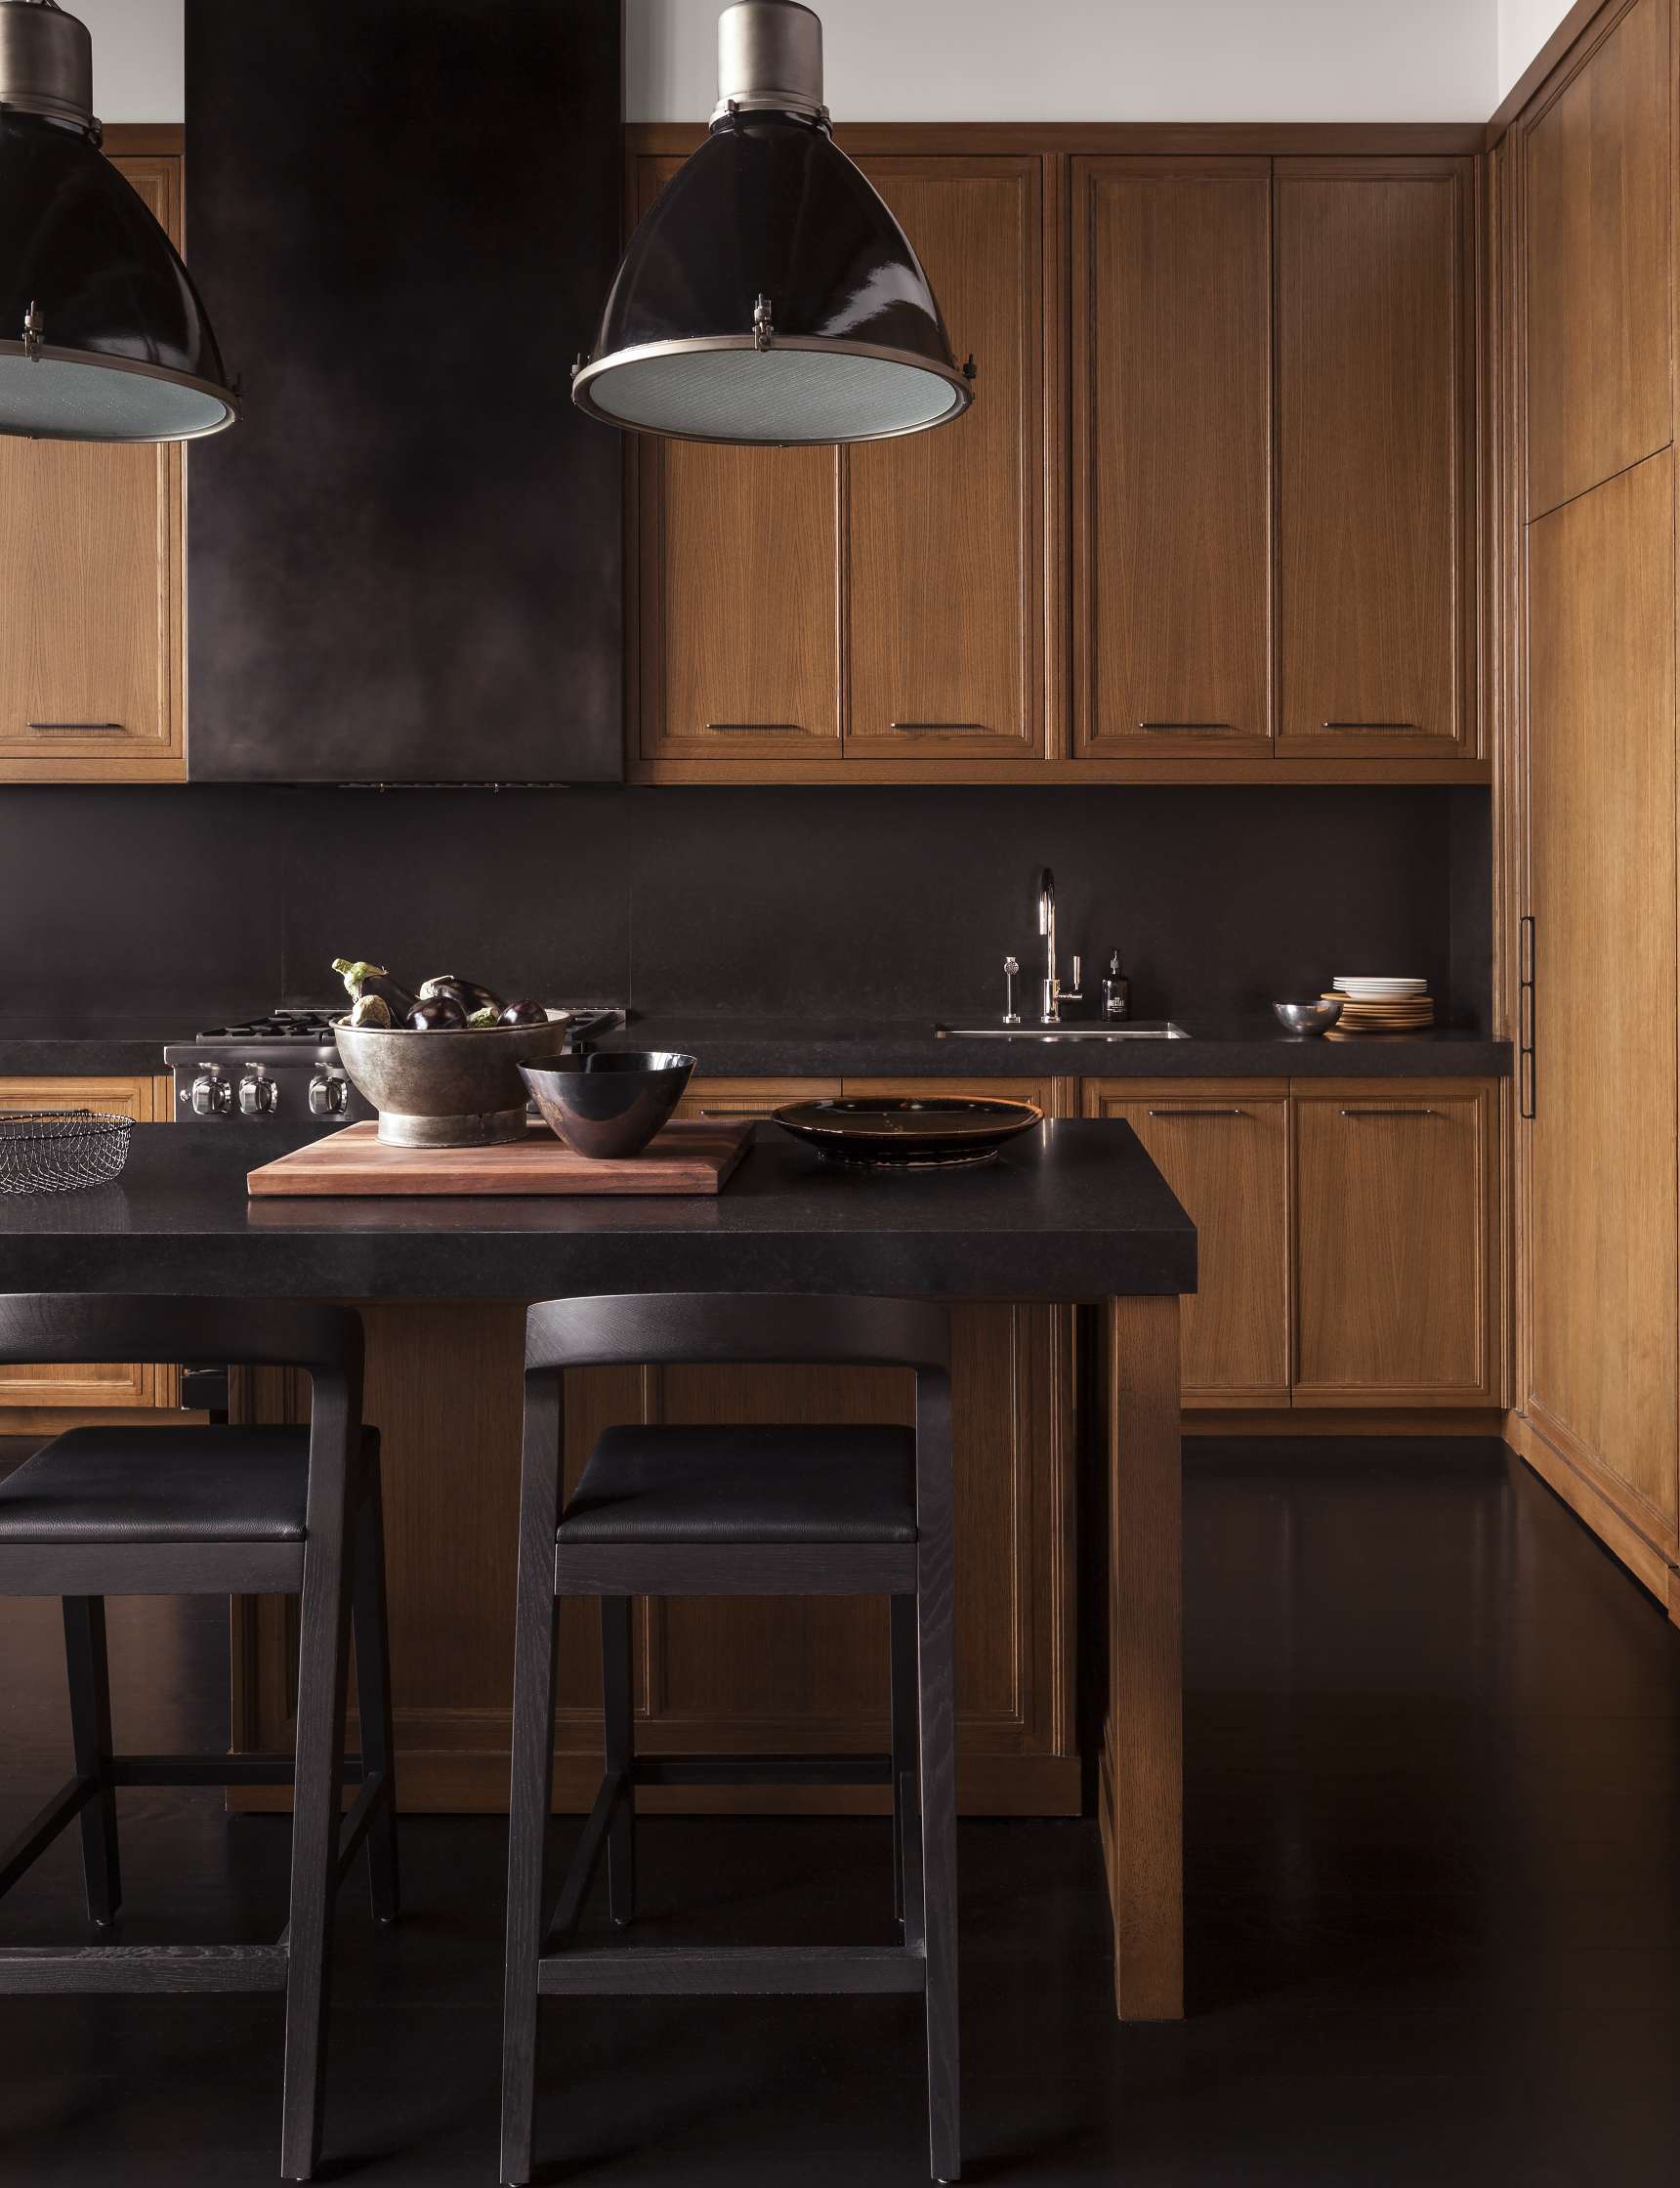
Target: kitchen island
x=1073 y=1212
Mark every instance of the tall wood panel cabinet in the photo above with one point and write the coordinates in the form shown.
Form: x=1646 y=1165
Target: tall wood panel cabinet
x=90 y=585
x=799 y=609
x=1582 y=313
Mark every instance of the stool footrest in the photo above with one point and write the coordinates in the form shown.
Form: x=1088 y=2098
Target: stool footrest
x=212 y=1770
x=32 y=1970
x=731 y=1971
x=762 y=1770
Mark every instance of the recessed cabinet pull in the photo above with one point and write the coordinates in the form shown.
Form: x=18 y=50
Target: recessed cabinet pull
x=1414 y=1112
x=78 y=728
x=1204 y=1110
x=939 y=728
x=1399 y=729
x=1169 y=729
x=758 y=729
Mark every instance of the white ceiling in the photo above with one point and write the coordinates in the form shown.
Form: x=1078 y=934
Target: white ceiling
x=990 y=60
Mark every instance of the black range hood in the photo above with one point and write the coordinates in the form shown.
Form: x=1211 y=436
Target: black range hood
x=406 y=564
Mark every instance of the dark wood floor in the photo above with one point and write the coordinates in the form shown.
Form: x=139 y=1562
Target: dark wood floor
x=1434 y=1836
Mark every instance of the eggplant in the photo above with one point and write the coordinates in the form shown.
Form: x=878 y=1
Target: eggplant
x=525 y=1014
x=442 y=1014
x=361 y=978
x=467 y=992
x=485 y=1018
x=370 y=1010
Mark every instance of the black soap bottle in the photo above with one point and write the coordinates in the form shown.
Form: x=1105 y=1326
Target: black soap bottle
x=1117 y=989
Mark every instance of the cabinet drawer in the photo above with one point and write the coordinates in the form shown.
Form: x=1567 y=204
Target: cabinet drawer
x=1395 y=1229
x=1223 y=1146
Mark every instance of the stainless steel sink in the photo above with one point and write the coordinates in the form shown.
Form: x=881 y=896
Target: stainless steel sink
x=1132 y=1030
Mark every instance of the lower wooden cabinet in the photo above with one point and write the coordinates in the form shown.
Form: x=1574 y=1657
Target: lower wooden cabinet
x=1223 y=1146
x=54 y=1391
x=1396 y=1238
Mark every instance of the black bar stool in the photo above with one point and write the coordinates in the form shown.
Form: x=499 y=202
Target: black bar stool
x=188 y=1510
x=734 y=1511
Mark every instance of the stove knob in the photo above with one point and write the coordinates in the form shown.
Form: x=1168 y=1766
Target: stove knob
x=258 y=1096
x=211 y=1095
x=329 y=1096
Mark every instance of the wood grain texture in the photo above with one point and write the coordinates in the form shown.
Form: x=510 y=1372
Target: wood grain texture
x=1142 y=1788
x=83 y=1388
x=1601 y=1152
x=1396 y=1232
x=1598 y=261
x=685 y=1158
x=1172 y=455
x=1223 y=1146
x=943 y=535
x=1375 y=349
x=91 y=590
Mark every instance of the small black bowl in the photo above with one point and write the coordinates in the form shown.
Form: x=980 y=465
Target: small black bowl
x=610 y=1104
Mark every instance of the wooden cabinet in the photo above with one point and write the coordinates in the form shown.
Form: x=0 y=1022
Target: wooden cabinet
x=1598 y=262
x=1396 y=1243
x=1223 y=1146
x=26 y=1391
x=1599 y=1154
x=882 y=604
x=1172 y=455
x=1375 y=338
x=91 y=597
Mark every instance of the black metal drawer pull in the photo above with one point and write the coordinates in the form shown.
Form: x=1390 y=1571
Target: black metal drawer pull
x=734 y=1113
x=1526 y=1073
x=1397 y=728
x=758 y=729
x=1392 y=1112
x=1205 y=1111
x=1170 y=729
x=78 y=728
x=941 y=728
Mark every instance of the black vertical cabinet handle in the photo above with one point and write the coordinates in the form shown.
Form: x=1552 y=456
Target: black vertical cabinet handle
x=1526 y=1073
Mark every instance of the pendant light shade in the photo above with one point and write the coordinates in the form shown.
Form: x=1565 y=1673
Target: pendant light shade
x=769 y=296
x=102 y=334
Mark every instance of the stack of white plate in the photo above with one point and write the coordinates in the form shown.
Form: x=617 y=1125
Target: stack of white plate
x=1372 y=1004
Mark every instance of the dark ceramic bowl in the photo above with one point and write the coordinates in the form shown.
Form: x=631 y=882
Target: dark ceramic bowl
x=899 y=1133
x=612 y=1104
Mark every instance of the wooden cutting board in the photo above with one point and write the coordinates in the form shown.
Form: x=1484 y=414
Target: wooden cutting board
x=683 y=1159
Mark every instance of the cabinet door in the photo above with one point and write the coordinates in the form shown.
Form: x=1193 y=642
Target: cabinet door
x=739 y=594
x=1599 y=1156
x=1596 y=263
x=944 y=568
x=1223 y=1146
x=1395 y=1237
x=100 y=1386
x=1376 y=357
x=90 y=593
x=1172 y=455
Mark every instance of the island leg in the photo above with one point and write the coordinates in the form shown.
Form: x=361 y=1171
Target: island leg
x=1142 y=1795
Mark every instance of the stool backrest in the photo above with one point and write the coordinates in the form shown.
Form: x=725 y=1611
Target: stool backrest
x=668 y=1328
x=69 y=1328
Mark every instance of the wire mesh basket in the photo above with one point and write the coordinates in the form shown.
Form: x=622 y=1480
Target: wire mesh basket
x=61 y=1150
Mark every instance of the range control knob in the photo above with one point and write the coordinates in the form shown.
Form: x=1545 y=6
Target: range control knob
x=259 y=1096
x=210 y=1093
x=329 y=1095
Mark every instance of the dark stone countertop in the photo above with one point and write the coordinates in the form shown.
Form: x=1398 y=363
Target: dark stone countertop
x=879 y=1048
x=1071 y=1210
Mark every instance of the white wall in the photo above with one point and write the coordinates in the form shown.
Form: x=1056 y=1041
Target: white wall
x=1013 y=59
x=1525 y=26
x=1103 y=59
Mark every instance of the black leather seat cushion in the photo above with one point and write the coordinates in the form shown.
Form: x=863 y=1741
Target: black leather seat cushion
x=746 y=1485
x=160 y=1484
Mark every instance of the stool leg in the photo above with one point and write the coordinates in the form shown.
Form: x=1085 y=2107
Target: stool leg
x=530 y=1793
x=904 y=1682
x=323 y=1665
x=619 y=1709
x=373 y=1696
x=90 y=1728
x=935 y=1601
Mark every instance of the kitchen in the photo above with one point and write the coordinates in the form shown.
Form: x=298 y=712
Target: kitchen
x=1231 y=644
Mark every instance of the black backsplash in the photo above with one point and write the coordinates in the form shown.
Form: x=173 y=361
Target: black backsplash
x=202 y=902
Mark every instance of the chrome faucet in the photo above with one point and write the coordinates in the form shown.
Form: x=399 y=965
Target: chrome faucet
x=1055 y=994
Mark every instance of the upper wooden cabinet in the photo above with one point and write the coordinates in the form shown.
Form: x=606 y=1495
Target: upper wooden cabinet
x=1172 y=455
x=1597 y=262
x=1375 y=340
x=884 y=603
x=91 y=630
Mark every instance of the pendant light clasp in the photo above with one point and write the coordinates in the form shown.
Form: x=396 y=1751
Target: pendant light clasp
x=763 y=324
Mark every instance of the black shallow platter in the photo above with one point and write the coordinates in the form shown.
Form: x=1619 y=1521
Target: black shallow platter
x=898 y=1133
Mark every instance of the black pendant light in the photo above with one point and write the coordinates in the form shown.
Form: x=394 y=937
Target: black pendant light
x=102 y=334
x=769 y=296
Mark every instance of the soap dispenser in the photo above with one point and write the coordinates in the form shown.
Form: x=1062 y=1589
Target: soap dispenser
x=1117 y=989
